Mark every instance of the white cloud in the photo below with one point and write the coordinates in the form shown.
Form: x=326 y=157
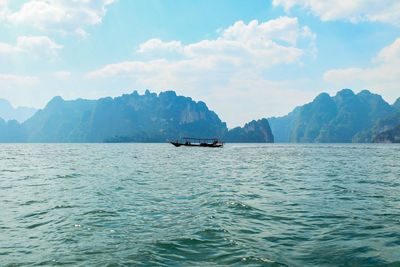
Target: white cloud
x=7 y=48
x=283 y=28
x=383 y=78
x=66 y=16
x=390 y=54
x=18 y=88
x=38 y=46
x=158 y=45
x=7 y=80
x=34 y=46
x=223 y=70
x=3 y=10
x=81 y=32
x=387 y=11
x=240 y=48
x=62 y=74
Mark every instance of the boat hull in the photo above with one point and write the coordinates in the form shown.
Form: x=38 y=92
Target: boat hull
x=178 y=144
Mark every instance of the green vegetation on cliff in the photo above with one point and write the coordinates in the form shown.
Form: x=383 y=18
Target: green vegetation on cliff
x=128 y=118
x=389 y=136
x=131 y=117
x=339 y=119
x=252 y=132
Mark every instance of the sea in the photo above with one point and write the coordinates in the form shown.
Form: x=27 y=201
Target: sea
x=240 y=205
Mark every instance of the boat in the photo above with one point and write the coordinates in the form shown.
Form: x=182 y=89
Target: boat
x=199 y=142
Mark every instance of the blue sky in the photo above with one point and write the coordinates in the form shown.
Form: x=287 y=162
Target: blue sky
x=245 y=59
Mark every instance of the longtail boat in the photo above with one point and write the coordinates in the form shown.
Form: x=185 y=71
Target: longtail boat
x=199 y=142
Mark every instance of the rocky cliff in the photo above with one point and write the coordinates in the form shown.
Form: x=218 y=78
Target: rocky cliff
x=131 y=117
x=343 y=118
x=128 y=118
x=390 y=136
x=253 y=132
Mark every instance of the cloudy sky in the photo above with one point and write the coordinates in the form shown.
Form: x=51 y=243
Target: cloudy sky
x=245 y=59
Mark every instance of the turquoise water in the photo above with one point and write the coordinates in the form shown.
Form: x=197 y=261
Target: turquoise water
x=154 y=204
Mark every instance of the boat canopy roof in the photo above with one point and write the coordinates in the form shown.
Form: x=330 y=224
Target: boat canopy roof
x=204 y=139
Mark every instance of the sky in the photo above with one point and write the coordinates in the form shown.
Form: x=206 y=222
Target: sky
x=245 y=59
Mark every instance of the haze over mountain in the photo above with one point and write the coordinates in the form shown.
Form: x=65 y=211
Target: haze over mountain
x=344 y=118
x=129 y=118
x=8 y=112
x=260 y=57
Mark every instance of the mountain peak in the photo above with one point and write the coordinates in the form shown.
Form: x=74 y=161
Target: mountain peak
x=148 y=93
x=365 y=92
x=8 y=112
x=345 y=93
x=396 y=104
x=135 y=118
x=5 y=103
x=333 y=119
x=254 y=131
x=55 y=101
x=167 y=94
x=322 y=97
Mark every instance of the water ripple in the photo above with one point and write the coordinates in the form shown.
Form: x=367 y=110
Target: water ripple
x=155 y=205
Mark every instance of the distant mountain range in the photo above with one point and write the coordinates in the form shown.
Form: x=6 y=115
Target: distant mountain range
x=344 y=118
x=129 y=118
x=20 y=114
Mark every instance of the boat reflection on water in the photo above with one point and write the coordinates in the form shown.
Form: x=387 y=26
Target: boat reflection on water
x=200 y=142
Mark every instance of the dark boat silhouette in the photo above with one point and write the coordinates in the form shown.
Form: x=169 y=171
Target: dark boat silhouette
x=199 y=142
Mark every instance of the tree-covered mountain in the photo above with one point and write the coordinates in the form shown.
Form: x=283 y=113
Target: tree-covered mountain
x=128 y=118
x=20 y=114
x=12 y=132
x=342 y=118
x=382 y=125
x=282 y=126
x=345 y=117
x=60 y=121
x=389 y=136
x=253 y=132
